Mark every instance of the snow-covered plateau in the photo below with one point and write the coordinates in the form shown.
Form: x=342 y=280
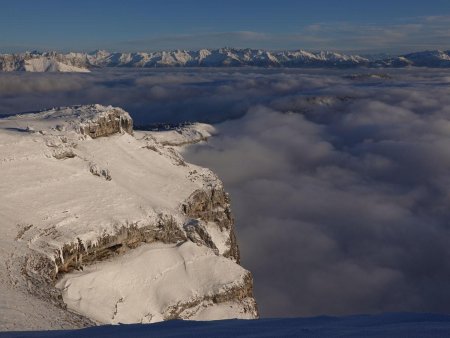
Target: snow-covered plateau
x=103 y=224
x=222 y=57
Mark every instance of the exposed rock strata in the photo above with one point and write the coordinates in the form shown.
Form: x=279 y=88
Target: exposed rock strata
x=113 y=122
x=242 y=292
x=213 y=205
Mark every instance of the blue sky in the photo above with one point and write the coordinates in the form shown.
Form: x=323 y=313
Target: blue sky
x=139 y=25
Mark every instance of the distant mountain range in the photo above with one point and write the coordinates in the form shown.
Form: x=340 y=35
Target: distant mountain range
x=223 y=57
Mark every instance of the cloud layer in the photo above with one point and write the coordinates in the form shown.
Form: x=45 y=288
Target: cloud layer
x=153 y=95
x=339 y=184
x=342 y=199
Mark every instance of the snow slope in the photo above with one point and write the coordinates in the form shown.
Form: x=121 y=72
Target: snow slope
x=150 y=282
x=80 y=189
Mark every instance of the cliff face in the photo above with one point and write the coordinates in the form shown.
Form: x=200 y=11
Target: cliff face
x=85 y=195
x=211 y=214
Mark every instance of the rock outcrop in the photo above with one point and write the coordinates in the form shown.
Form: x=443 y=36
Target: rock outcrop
x=107 y=123
x=85 y=192
x=211 y=207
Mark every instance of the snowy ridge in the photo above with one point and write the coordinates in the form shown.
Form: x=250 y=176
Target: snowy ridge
x=50 y=65
x=222 y=57
x=43 y=62
x=432 y=59
x=184 y=135
x=84 y=190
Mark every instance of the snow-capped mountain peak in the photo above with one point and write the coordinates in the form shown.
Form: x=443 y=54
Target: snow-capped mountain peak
x=222 y=57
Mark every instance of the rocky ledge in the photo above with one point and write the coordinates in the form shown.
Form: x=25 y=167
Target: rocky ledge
x=112 y=224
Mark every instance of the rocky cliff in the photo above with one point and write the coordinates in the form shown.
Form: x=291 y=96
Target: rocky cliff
x=112 y=225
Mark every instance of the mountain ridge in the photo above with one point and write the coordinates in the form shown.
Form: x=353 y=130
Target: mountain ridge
x=221 y=57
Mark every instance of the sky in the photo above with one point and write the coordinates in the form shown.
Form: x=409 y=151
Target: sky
x=360 y=26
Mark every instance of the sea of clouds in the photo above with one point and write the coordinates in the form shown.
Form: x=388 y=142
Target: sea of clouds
x=340 y=181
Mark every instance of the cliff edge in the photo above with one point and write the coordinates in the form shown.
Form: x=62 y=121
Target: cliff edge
x=103 y=224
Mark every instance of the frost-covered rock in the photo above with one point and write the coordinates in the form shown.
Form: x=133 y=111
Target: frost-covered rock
x=86 y=199
x=89 y=120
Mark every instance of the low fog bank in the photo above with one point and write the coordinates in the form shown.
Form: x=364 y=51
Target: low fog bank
x=174 y=95
x=340 y=180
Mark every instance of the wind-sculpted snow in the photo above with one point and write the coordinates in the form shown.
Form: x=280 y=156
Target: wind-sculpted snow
x=81 y=187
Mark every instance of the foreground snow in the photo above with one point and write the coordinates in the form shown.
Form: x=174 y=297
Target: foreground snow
x=126 y=228
x=384 y=325
x=155 y=280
